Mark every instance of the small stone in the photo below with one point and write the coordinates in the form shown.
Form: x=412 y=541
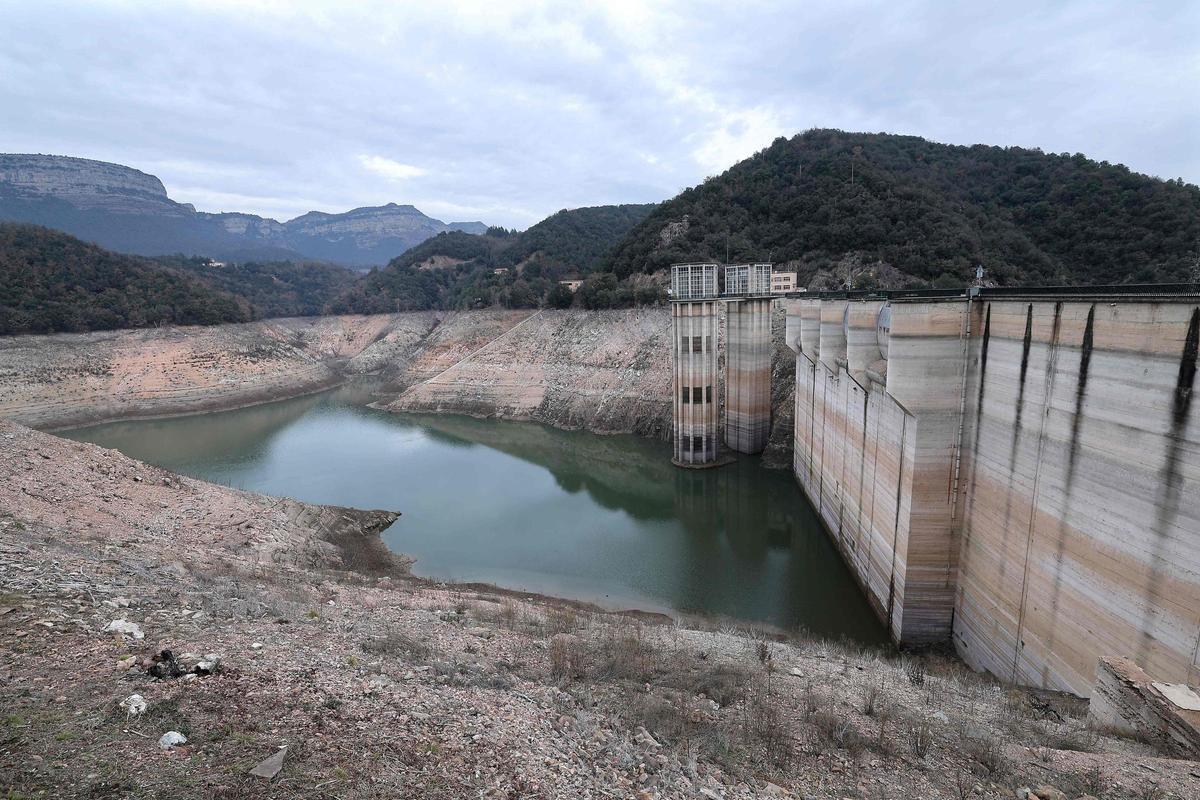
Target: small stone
x=1047 y=792
x=643 y=737
x=256 y=646
x=482 y=633
x=125 y=628
x=270 y=766
x=134 y=705
x=171 y=739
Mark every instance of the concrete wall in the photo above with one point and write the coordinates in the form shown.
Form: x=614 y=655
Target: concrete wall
x=1082 y=532
x=1028 y=479
x=694 y=339
x=748 y=374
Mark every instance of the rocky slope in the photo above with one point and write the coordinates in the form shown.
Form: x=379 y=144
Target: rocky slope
x=602 y=371
x=72 y=379
x=256 y=623
x=127 y=210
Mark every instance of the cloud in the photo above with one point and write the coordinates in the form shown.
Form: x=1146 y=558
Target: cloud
x=392 y=170
x=511 y=111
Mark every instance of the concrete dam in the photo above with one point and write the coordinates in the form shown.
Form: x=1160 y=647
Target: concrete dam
x=1013 y=470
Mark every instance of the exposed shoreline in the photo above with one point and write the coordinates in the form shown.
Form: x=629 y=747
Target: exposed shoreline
x=381 y=682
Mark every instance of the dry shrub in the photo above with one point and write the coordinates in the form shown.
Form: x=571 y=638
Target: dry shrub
x=871 y=698
x=920 y=738
x=394 y=643
x=987 y=752
x=914 y=670
x=838 y=732
x=1078 y=739
x=624 y=653
x=723 y=683
x=767 y=729
x=568 y=658
x=813 y=701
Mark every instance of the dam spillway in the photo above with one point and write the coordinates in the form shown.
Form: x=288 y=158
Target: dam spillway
x=1017 y=470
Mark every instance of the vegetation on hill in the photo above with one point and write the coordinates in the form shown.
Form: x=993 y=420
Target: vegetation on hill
x=52 y=282
x=932 y=211
x=273 y=288
x=578 y=239
x=507 y=268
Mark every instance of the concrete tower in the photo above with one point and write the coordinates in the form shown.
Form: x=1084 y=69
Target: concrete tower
x=694 y=330
x=748 y=357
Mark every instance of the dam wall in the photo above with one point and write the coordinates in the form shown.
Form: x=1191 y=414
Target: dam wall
x=1020 y=474
x=748 y=374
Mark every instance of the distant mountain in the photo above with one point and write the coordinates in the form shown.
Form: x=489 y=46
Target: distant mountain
x=51 y=282
x=825 y=200
x=127 y=210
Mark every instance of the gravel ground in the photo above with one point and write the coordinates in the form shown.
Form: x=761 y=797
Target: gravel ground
x=381 y=685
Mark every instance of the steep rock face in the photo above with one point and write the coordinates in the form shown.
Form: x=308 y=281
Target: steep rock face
x=86 y=184
x=129 y=211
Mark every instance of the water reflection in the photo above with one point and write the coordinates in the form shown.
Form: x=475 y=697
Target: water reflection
x=607 y=519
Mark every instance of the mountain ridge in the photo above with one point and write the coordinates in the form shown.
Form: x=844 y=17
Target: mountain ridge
x=125 y=209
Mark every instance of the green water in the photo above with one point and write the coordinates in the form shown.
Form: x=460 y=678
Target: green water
x=601 y=518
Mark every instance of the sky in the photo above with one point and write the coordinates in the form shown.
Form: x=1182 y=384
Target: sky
x=507 y=112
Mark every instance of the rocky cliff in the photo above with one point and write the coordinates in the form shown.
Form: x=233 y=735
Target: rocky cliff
x=127 y=210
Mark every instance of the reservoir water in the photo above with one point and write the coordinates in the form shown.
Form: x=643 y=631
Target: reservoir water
x=606 y=519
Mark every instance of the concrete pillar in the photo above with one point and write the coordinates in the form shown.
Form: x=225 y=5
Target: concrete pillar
x=833 y=332
x=792 y=324
x=810 y=328
x=748 y=374
x=694 y=329
x=862 y=340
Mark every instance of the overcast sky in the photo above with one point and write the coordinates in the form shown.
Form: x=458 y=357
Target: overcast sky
x=508 y=112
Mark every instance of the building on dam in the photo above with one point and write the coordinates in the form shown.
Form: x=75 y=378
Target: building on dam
x=1014 y=470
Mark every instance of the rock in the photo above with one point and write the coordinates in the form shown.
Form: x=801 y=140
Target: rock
x=796 y=672
x=171 y=739
x=125 y=628
x=256 y=646
x=643 y=738
x=207 y=665
x=269 y=767
x=1047 y=792
x=127 y=663
x=482 y=633
x=134 y=705
x=941 y=717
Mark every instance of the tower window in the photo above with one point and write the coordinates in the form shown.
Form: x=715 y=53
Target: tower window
x=697 y=394
x=687 y=395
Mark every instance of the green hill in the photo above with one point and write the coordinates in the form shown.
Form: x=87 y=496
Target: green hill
x=273 y=288
x=517 y=270
x=51 y=282
x=933 y=211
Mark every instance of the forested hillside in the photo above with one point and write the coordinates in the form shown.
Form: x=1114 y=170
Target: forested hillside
x=931 y=210
x=273 y=288
x=511 y=269
x=51 y=282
